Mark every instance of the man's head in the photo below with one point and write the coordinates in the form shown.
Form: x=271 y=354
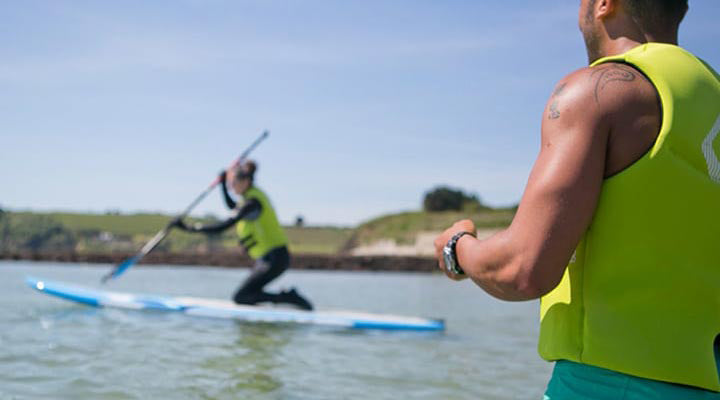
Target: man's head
x=602 y=21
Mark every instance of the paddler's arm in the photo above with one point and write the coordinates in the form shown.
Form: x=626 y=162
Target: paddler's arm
x=229 y=202
x=250 y=211
x=527 y=260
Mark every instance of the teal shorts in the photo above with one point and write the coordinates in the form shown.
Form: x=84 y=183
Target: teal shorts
x=573 y=381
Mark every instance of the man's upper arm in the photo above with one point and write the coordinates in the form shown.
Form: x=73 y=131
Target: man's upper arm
x=565 y=182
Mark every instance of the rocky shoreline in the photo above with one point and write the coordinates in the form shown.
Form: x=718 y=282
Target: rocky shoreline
x=237 y=260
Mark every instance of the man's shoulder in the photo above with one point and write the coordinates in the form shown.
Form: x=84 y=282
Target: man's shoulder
x=571 y=99
x=616 y=82
x=607 y=89
x=612 y=103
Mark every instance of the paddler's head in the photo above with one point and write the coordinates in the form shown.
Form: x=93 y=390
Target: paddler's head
x=243 y=177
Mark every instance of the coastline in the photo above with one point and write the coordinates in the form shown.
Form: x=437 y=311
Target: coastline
x=228 y=259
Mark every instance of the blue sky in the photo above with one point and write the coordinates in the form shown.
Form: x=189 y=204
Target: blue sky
x=136 y=105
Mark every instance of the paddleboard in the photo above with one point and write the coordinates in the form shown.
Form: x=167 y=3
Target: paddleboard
x=216 y=308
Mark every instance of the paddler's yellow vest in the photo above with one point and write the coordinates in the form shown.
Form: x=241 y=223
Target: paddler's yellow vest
x=641 y=295
x=263 y=234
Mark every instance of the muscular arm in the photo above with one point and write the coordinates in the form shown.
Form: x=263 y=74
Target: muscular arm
x=598 y=122
x=527 y=259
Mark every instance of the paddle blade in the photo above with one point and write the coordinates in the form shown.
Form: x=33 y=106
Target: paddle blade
x=120 y=269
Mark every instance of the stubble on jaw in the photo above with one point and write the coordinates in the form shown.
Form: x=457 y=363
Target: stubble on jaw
x=592 y=44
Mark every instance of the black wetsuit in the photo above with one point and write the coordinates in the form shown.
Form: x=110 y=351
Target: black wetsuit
x=267 y=268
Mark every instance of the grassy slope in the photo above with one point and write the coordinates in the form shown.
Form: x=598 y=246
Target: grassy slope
x=141 y=227
x=405 y=226
x=317 y=240
x=401 y=227
x=126 y=225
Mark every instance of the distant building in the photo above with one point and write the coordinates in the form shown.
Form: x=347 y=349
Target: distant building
x=106 y=237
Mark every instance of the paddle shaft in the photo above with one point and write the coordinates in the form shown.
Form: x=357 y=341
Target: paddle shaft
x=155 y=241
x=216 y=181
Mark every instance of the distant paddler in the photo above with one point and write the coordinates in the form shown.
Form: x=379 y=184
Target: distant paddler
x=260 y=234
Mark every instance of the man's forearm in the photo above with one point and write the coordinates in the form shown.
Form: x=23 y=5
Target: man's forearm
x=496 y=265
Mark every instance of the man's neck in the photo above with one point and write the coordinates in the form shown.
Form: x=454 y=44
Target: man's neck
x=622 y=45
x=624 y=34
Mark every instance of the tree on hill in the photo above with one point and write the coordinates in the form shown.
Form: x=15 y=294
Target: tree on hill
x=443 y=198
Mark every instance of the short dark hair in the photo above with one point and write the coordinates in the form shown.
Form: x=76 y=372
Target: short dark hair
x=657 y=15
x=246 y=170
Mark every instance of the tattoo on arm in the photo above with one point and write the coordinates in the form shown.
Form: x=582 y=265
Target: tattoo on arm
x=554 y=112
x=605 y=75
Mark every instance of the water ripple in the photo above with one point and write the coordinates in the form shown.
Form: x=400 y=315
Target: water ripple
x=54 y=349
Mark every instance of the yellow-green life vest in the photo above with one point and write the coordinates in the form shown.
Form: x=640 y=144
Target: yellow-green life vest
x=641 y=294
x=264 y=233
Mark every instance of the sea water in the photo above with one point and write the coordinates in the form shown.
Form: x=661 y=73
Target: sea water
x=55 y=349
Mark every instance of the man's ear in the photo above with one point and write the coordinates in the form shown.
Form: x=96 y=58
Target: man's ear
x=605 y=8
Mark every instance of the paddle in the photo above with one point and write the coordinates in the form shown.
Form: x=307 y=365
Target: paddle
x=149 y=246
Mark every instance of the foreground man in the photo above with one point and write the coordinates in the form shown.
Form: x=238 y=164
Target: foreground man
x=619 y=227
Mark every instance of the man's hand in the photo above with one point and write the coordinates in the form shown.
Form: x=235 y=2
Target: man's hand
x=461 y=226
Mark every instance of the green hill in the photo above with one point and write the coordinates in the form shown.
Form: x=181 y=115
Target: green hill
x=126 y=233
x=118 y=224
x=404 y=227
x=318 y=240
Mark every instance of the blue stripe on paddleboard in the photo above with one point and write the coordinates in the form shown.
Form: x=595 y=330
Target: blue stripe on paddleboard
x=65 y=293
x=97 y=299
x=436 y=326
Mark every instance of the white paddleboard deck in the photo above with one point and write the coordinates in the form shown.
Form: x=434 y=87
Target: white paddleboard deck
x=226 y=309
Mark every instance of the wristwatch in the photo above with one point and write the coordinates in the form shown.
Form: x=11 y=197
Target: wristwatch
x=450 y=256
